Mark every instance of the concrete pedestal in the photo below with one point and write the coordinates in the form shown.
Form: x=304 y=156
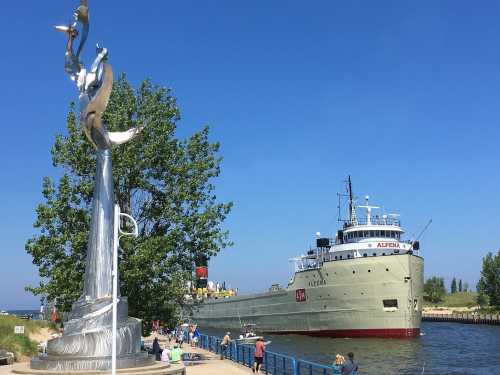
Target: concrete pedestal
x=157 y=368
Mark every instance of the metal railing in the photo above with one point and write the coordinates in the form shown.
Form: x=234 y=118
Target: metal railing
x=374 y=220
x=273 y=363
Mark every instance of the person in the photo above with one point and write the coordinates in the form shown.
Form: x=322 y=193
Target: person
x=196 y=337
x=191 y=335
x=156 y=349
x=337 y=365
x=175 y=354
x=180 y=337
x=224 y=344
x=350 y=367
x=259 y=355
x=165 y=355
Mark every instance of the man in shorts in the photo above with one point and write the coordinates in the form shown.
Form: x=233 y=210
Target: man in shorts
x=260 y=348
x=225 y=344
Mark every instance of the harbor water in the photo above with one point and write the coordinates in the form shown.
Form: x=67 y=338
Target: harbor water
x=442 y=348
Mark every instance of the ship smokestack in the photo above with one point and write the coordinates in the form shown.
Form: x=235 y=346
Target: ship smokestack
x=201 y=271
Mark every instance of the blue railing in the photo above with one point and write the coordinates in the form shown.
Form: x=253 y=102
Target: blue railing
x=274 y=363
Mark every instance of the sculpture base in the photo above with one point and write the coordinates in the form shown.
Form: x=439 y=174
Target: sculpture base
x=157 y=368
x=88 y=336
x=65 y=363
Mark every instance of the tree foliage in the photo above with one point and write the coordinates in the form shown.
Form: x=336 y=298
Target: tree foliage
x=460 y=285
x=489 y=283
x=453 y=287
x=162 y=181
x=434 y=289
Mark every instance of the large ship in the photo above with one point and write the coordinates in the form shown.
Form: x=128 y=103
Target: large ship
x=365 y=282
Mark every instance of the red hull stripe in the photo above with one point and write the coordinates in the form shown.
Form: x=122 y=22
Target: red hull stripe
x=383 y=332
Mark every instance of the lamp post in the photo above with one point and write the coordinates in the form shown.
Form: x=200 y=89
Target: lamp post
x=118 y=233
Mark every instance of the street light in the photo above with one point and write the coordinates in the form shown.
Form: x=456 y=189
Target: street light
x=118 y=233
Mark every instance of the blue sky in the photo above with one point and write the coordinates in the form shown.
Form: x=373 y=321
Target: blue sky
x=403 y=96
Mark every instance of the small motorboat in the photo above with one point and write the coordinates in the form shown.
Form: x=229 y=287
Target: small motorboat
x=248 y=336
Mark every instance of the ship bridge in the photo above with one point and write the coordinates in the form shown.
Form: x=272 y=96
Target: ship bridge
x=360 y=237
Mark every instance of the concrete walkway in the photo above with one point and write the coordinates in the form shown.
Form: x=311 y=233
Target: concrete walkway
x=212 y=365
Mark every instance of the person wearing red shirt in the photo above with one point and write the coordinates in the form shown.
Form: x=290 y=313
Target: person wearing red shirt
x=259 y=355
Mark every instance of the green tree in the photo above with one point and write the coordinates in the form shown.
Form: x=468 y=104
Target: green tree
x=434 y=289
x=460 y=285
x=162 y=181
x=482 y=300
x=489 y=283
x=454 y=285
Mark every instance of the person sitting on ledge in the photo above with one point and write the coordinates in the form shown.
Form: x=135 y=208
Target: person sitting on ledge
x=176 y=354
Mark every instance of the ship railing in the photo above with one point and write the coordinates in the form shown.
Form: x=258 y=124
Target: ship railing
x=274 y=363
x=374 y=221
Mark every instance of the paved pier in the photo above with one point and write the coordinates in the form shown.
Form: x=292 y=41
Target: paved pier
x=212 y=365
x=490 y=319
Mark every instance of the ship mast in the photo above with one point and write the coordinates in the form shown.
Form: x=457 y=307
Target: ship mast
x=352 y=209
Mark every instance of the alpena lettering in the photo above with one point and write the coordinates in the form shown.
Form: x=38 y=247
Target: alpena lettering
x=388 y=244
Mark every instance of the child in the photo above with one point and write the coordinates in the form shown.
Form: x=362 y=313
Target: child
x=337 y=366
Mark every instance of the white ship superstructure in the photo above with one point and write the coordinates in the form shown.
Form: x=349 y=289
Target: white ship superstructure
x=367 y=281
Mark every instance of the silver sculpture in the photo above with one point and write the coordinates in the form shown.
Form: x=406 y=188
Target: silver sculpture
x=87 y=340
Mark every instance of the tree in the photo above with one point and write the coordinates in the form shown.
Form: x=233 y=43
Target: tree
x=454 y=286
x=434 y=289
x=466 y=287
x=163 y=182
x=460 y=285
x=489 y=283
x=482 y=300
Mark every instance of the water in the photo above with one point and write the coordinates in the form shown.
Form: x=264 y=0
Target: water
x=443 y=348
x=35 y=313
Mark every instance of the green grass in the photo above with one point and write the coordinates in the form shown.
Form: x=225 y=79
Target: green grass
x=461 y=299
x=20 y=345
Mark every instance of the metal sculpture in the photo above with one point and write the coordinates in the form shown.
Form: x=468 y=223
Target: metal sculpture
x=87 y=340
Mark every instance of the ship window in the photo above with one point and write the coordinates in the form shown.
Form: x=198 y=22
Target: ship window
x=335 y=257
x=340 y=257
x=374 y=254
x=390 y=303
x=372 y=233
x=382 y=233
x=383 y=253
x=393 y=234
x=367 y=233
x=365 y=254
x=377 y=233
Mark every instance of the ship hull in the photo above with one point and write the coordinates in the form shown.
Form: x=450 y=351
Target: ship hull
x=345 y=298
